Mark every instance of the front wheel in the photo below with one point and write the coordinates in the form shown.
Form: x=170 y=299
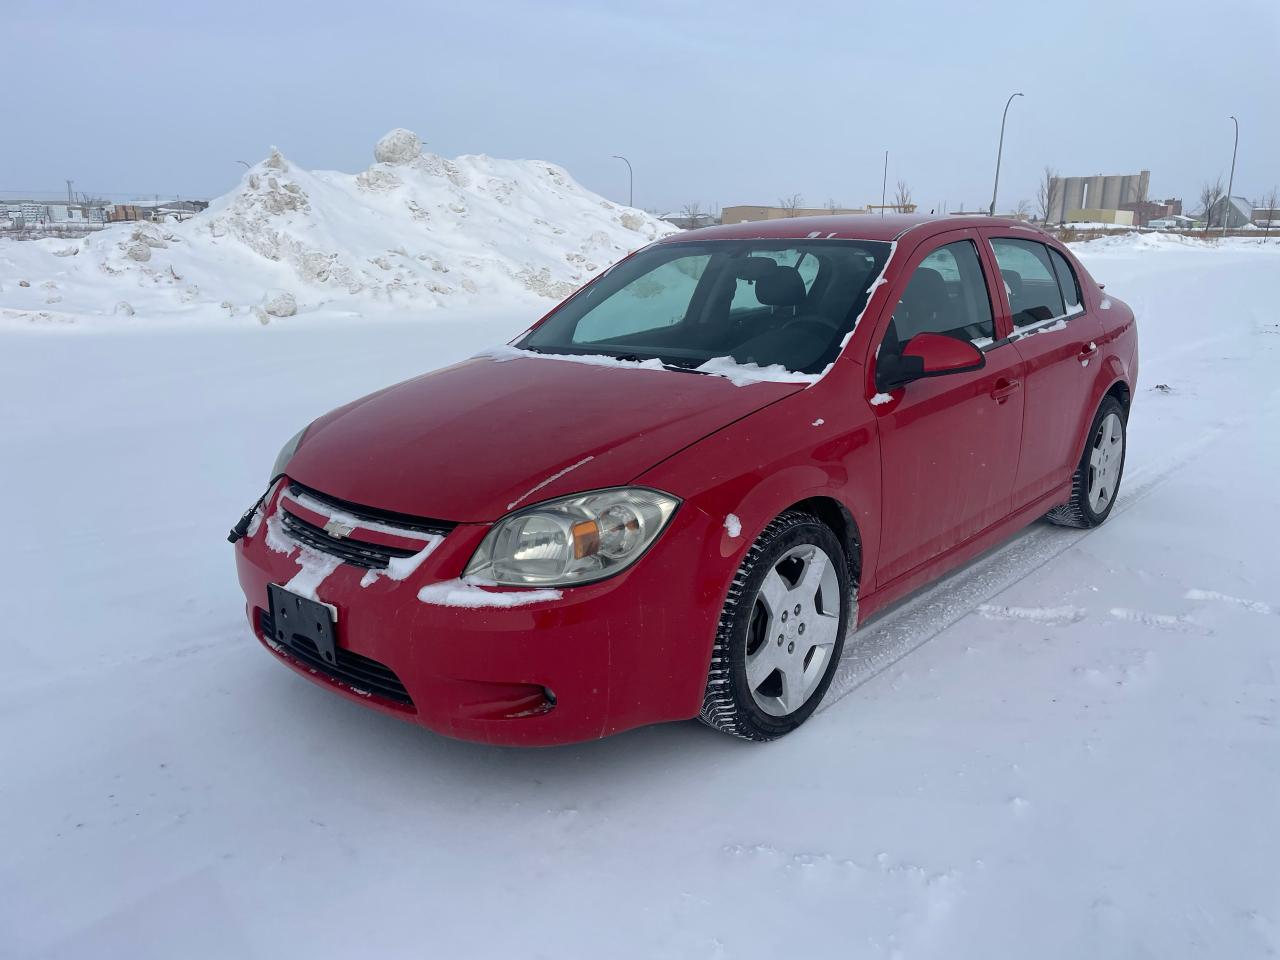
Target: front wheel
x=1096 y=481
x=781 y=631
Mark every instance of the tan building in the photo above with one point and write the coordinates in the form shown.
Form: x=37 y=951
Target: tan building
x=748 y=213
x=1122 y=218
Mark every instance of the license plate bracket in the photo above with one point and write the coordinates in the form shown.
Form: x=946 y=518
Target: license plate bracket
x=296 y=616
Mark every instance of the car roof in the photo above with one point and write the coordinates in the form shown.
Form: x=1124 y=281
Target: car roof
x=843 y=227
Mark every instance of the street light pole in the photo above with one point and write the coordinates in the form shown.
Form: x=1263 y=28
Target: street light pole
x=631 y=181
x=999 y=153
x=884 y=184
x=1226 y=207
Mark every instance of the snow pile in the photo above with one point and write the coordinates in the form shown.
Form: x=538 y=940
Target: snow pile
x=413 y=230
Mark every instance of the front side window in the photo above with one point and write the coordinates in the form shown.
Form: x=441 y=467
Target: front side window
x=1029 y=280
x=785 y=302
x=946 y=294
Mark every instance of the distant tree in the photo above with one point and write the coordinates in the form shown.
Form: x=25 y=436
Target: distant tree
x=833 y=205
x=791 y=205
x=1269 y=201
x=1048 y=191
x=692 y=214
x=1024 y=209
x=1210 y=194
x=902 y=198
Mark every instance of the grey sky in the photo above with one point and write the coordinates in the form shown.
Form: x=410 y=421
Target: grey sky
x=719 y=102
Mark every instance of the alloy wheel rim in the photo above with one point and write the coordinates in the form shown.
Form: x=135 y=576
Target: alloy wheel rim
x=795 y=623
x=1105 y=459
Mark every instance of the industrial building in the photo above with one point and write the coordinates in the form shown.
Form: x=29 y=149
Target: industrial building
x=1070 y=194
x=743 y=214
x=1122 y=218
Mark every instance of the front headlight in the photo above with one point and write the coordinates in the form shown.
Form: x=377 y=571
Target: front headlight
x=574 y=539
x=286 y=453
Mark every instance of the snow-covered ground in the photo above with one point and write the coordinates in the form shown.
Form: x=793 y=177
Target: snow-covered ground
x=1080 y=757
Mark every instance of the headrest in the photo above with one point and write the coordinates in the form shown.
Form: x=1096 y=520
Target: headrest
x=753 y=268
x=927 y=284
x=781 y=287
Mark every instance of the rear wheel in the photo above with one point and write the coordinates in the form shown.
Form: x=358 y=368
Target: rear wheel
x=781 y=631
x=1096 y=482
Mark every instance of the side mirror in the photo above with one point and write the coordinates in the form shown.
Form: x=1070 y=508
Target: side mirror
x=928 y=355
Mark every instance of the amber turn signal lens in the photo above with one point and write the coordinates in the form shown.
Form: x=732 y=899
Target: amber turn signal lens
x=586 y=539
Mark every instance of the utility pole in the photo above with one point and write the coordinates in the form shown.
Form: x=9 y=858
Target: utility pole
x=999 y=153
x=884 y=184
x=1226 y=209
x=631 y=181
x=70 y=197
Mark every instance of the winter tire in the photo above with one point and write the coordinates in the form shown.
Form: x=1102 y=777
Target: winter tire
x=1096 y=482
x=781 y=631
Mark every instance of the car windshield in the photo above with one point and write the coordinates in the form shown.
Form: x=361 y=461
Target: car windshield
x=785 y=302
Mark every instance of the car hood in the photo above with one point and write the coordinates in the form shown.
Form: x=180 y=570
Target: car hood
x=473 y=441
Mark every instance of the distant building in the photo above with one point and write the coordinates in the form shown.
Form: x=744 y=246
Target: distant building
x=1144 y=211
x=1237 y=211
x=31 y=214
x=744 y=214
x=1067 y=194
x=1123 y=218
x=123 y=212
x=1266 y=216
x=687 y=222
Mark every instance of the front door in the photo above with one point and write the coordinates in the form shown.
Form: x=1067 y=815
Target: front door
x=948 y=444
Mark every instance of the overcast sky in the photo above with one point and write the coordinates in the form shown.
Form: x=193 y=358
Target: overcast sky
x=716 y=102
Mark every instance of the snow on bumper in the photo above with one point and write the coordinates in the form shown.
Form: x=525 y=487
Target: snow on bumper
x=626 y=651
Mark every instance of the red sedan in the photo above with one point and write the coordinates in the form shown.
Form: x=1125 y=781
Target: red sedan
x=680 y=491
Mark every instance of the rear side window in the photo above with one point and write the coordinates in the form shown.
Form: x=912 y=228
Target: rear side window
x=1067 y=282
x=947 y=294
x=1029 y=280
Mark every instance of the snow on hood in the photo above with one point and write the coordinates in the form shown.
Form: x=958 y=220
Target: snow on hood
x=414 y=230
x=473 y=441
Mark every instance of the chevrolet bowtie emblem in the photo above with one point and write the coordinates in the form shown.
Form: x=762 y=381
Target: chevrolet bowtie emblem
x=338 y=530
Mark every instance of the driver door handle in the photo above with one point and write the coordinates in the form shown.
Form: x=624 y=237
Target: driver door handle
x=1004 y=389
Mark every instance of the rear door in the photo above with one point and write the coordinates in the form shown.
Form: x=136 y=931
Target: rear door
x=1057 y=340
x=948 y=444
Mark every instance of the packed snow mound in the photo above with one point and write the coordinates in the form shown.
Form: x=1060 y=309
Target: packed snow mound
x=398 y=146
x=414 y=230
x=1135 y=240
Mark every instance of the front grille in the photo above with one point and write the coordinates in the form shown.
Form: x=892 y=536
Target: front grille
x=372 y=556
x=385 y=517
x=360 y=673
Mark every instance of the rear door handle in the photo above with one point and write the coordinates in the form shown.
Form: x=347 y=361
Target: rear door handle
x=1004 y=389
x=1087 y=352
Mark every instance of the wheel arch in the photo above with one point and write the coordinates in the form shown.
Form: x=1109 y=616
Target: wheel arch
x=1123 y=394
x=840 y=520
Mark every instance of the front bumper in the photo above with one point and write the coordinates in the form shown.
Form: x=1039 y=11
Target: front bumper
x=624 y=652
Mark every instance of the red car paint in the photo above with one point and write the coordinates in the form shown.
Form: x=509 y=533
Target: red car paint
x=921 y=479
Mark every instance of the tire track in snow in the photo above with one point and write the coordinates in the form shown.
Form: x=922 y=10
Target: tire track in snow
x=890 y=636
